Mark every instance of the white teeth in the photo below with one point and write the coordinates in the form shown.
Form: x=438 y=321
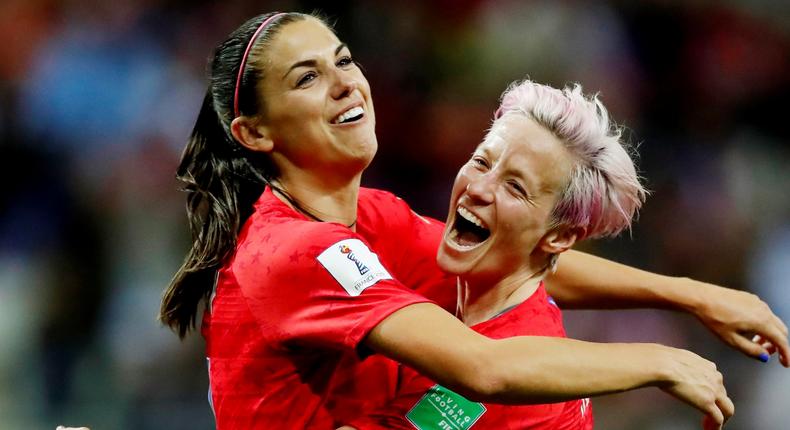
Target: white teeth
x=351 y=113
x=469 y=216
x=454 y=242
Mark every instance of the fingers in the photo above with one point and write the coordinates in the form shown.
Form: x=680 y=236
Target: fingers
x=717 y=413
x=730 y=313
x=765 y=344
x=774 y=341
x=726 y=407
x=781 y=343
x=723 y=403
x=709 y=423
x=768 y=346
x=753 y=348
x=718 y=407
x=782 y=326
x=713 y=420
x=774 y=336
x=701 y=385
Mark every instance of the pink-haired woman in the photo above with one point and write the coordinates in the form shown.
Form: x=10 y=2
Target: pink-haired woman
x=551 y=171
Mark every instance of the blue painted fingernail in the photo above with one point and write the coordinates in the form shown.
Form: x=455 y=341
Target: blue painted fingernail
x=764 y=357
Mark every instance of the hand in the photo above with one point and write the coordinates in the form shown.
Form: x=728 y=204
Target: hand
x=709 y=423
x=743 y=321
x=346 y=428
x=696 y=381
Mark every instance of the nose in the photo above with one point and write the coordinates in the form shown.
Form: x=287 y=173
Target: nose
x=481 y=188
x=344 y=84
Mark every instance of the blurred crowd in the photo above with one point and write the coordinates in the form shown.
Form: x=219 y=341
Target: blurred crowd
x=97 y=99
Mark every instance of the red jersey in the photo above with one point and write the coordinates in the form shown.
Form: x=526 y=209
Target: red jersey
x=409 y=243
x=296 y=299
x=422 y=404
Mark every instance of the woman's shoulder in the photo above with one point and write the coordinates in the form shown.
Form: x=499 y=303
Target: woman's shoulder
x=383 y=205
x=290 y=233
x=375 y=195
x=297 y=243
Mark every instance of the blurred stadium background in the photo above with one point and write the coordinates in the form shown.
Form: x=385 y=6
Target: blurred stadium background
x=98 y=97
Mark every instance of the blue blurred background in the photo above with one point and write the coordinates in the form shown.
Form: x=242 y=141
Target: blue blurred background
x=97 y=99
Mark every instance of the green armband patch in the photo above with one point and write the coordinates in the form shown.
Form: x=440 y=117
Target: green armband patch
x=443 y=409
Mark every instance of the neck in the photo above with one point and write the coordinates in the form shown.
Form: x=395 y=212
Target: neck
x=322 y=198
x=479 y=300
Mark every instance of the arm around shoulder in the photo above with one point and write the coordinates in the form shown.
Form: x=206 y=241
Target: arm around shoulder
x=536 y=369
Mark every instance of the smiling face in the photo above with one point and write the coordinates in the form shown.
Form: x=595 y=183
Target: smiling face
x=317 y=111
x=499 y=218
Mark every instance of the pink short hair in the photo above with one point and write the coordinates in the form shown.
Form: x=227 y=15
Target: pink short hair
x=604 y=192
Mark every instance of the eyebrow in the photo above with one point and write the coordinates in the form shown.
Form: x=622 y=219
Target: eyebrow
x=526 y=180
x=311 y=62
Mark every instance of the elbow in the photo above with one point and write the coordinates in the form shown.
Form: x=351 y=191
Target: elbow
x=483 y=381
x=485 y=388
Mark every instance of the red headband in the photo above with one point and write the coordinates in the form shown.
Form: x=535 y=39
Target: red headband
x=244 y=60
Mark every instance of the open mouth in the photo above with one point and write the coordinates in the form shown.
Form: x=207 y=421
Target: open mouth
x=468 y=230
x=352 y=115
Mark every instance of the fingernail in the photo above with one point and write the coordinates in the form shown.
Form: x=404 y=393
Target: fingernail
x=764 y=357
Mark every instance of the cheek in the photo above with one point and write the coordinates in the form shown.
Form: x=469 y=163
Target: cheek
x=300 y=107
x=363 y=83
x=521 y=225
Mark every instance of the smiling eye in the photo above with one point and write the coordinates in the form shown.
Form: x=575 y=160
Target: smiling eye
x=345 y=61
x=304 y=79
x=480 y=163
x=517 y=188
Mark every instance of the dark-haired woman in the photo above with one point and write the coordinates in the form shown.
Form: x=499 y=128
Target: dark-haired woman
x=307 y=268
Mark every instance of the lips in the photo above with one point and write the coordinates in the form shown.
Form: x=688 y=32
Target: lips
x=468 y=230
x=352 y=114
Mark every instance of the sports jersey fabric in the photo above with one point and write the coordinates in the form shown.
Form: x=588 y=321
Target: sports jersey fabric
x=292 y=305
x=422 y=404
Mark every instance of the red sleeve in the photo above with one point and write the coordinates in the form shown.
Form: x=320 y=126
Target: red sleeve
x=420 y=237
x=316 y=284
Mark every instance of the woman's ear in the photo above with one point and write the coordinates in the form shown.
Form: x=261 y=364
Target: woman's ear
x=251 y=134
x=561 y=239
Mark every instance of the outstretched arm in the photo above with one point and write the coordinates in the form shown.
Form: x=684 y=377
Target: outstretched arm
x=739 y=318
x=542 y=369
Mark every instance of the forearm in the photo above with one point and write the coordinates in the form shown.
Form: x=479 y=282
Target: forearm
x=514 y=370
x=586 y=281
x=589 y=282
x=561 y=369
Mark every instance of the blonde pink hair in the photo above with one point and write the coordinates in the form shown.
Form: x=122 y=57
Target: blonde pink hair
x=604 y=191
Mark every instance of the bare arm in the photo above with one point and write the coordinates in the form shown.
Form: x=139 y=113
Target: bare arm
x=585 y=281
x=542 y=369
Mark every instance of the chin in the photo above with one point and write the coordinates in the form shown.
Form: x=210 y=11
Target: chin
x=363 y=159
x=448 y=264
x=371 y=148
